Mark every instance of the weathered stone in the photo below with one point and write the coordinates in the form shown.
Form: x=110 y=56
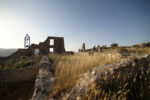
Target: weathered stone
x=83 y=47
x=45 y=80
x=94 y=49
x=148 y=58
x=98 y=49
x=122 y=69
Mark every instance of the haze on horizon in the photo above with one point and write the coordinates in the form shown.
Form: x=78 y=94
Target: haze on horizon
x=93 y=22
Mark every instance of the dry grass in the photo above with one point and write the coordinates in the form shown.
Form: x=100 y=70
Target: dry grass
x=129 y=50
x=136 y=88
x=145 y=50
x=68 y=68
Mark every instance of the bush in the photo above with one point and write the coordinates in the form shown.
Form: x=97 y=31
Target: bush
x=114 y=45
x=123 y=50
x=136 y=45
x=104 y=47
x=1 y=67
x=23 y=57
x=23 y=64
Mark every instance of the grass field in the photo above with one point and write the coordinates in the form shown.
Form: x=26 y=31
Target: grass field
x=129 y=50
x=68 y=68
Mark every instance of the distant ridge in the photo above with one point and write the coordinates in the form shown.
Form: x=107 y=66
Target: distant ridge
x=7 y=52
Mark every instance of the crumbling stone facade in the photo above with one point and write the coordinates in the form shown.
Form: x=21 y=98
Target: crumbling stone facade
x=83 y=47
x=98 y=49
x=94 y=49
x=44 y=47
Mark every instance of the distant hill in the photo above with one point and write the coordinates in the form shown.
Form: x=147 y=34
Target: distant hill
x=6 y=52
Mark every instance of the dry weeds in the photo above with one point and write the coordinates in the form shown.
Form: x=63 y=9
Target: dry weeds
x=68 y=68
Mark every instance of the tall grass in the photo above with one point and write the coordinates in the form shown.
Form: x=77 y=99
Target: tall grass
x=129 y=50
x=141 y=50
x=68 y=68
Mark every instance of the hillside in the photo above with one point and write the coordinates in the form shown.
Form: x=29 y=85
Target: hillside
x=6 y=52
x=81 y=76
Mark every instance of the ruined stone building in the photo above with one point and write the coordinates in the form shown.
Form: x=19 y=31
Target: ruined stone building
x=94 y=49
x=50 y=45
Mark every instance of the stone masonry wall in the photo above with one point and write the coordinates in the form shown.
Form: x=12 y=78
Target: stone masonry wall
x=44 y=82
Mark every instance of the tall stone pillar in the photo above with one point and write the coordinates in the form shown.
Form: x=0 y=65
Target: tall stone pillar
x=83 y=47
x=98 y=48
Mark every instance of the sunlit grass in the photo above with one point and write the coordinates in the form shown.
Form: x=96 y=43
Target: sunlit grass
x=68 y=68
x=130 y=50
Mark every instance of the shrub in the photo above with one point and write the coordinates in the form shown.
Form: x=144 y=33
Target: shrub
x=136 y=45
x=1 y=67
x=123 y=50
x=104 y=47
x=114 y=45
x=23 y=57
x=23 y=64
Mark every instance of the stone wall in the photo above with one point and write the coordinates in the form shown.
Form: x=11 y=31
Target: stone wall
x=94 y=49
x=44 y=82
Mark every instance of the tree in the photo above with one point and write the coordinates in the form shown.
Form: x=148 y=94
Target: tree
x=104 y=46
x=114 y=45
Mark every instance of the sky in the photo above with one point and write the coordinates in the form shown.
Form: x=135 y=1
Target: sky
x=92 y=22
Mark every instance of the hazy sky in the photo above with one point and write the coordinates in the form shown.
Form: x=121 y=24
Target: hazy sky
x=94 y=22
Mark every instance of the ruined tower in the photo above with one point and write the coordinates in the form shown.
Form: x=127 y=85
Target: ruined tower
x=83 y=47
x=94 y=49
x=98 y=48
